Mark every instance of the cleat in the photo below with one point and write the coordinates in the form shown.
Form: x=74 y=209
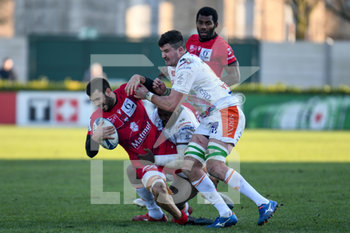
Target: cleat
x=227 y=200
x=266 y=212
x=187 y=211
x=148 y=218
x=199 y=221
x=221 y=222
x=139 y=202
x=183 y=220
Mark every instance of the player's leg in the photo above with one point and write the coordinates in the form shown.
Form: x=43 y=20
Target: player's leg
x=154 y=181
x=193 y=164
x=154 y=213
x=230 y=127
x=137 y=184
x=217 y=152
x=183 y=191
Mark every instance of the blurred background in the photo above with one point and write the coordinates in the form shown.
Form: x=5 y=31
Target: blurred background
x=301 y=49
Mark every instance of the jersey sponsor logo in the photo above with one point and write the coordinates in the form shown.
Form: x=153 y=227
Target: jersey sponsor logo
x=137 y=143
x=134 y=127
x=180 y=79
x=184 y=61
x=192 y=48
x=214 y=127
x=204 y=94
x=229 y=58
x=229 y=51
x=115 y=120
x=205 y=54
x=129 y=107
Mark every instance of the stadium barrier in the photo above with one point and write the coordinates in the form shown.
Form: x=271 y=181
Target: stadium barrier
x=271 y=111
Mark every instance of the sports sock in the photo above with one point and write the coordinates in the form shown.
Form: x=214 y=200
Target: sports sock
x=206 y=187
x=236 y=181
x=154 y=210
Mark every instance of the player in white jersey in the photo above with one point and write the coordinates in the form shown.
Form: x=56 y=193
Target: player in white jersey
x=220 y=129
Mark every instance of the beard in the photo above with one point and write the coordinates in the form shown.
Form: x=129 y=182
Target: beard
x=109 y=104
x=208 y=34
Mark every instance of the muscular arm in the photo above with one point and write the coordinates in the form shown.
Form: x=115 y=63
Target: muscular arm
x=155 y=86
x=233 y=75
x=91 y=147
x=168 y=103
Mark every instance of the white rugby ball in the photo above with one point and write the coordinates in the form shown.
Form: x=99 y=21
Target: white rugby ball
x=109 y=144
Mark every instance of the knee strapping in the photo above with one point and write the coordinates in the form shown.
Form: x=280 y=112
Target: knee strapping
x=195 y=150
x=217 y=151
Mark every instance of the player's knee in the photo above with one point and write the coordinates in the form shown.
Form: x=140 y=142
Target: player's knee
x=216 y=168
x=191 y=166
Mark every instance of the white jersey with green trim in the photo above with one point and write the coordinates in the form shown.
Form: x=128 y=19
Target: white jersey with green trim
x=180 y=131
x=196 y=78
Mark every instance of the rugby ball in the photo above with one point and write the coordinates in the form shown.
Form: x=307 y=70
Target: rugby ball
x=109 y=144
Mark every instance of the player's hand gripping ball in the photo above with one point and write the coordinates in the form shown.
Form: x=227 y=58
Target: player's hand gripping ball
x=109 y=144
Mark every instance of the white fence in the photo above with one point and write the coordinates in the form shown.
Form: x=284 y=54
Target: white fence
x=305 y=64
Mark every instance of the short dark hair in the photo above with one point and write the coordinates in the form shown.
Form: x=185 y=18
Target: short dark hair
x=208 y=11
x=173 y=37
x=100 y=84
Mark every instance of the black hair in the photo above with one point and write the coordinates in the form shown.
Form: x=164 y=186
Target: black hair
x=100 y=84
x=208 y=11
x=173 y=37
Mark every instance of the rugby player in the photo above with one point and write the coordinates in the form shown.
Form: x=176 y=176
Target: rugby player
x=220 y=129
x=136 y=132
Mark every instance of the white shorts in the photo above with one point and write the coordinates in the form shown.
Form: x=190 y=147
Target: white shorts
x=150 y=173
x=226 y=124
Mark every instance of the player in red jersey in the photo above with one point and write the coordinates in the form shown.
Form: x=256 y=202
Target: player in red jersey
x=136 y=133
x=212 y=48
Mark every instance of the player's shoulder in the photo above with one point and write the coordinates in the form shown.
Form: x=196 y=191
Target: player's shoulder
x=187 y=61
x=121 y=89
x=220 y=42
x=192 y=38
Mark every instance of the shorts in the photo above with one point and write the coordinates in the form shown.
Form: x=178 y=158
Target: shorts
x=225 y=124
x=150 y=173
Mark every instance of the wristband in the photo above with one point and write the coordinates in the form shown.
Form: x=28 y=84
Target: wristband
x=167 y=92
x=148 y=96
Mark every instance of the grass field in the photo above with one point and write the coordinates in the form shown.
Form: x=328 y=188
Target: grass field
x=45 y=184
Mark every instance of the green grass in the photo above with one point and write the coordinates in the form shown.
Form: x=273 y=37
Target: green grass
x=54 y=196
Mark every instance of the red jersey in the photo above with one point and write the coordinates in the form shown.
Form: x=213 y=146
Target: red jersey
x=216 y=52
x=135 y=129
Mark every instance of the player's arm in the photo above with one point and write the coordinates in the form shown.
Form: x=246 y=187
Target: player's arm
x=91 y=147
x=168 y=160
x=168 y=103
x=156 y=86
x=232 y=75
x=93 y=139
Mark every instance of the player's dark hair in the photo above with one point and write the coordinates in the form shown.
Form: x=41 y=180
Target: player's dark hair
x=208 y=11
x=173 y=37
x=100 y=84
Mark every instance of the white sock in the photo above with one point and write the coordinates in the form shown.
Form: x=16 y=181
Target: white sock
x=206 y=187
x=236 y=181
x=186 y=208
x=154 y=210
